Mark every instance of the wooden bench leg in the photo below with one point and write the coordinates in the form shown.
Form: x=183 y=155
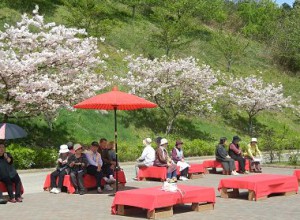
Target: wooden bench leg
x=120 y=209
x=224 y=193
x=233 y=194
x=290 y=193
x=251 y=195
x=199 y=207
x=160 y=213
x=195 y=175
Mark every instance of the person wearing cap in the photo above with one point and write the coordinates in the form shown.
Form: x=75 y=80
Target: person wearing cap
x=9 y=175
x=162 y=159
x=147 y=158
x=78 y=163
x=253 y=153
x=223 y=157
x=178 y=158
x=235 y=152
x=61 y=170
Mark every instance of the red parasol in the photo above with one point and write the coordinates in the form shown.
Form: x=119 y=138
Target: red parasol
x=115 y=100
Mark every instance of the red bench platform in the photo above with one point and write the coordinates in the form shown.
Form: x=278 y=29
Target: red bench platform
x=297 y=174
x=154 y=172
x=3 y=188
x=159 y=203
x=216 y=164
x=89 y=182
x=259 y=185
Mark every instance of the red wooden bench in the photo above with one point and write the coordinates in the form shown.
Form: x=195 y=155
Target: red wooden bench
x=154 y=172
x=88 y=180
x=3 y=188
x=214 y=164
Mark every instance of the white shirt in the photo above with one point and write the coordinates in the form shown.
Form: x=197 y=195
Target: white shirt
x=148 y=155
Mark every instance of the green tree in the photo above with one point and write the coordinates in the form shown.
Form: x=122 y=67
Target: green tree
x=172 y=19
x=231 y=47
x=95 y=16
x=286 y=44
x=259 y=18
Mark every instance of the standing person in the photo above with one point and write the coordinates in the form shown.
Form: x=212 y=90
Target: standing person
x=252 y=154
x=78 y=163
x=223 y=157
x=9 y=175
x=147 y=158
x=95 y=166
x=61 y=170
x=162 y=159
x=178 y=158
x=236 y=153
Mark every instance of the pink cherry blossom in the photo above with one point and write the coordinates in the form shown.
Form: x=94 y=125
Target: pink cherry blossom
x=44 y=66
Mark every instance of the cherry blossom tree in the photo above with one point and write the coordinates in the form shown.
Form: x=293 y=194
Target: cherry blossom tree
x=253 y=95
x=177 y=86
x=44 y=66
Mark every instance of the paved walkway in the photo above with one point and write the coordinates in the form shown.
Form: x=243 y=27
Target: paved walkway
x=39 y=205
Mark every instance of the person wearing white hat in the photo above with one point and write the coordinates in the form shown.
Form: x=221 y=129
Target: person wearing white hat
x=162 y=159
x=147 y=158
x=254 y=155
x=61 y=170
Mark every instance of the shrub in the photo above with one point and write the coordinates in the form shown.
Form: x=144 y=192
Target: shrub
x=32 y=157
x=198 y=147
x=45 y=157
x=23 y=156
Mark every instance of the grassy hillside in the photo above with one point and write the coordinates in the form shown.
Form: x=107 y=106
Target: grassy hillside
x=133 y=36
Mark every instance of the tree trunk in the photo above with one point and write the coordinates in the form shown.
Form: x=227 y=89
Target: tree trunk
x=5 y=118
x=250 y=124
x=133 y=11
x=229 y=62
x=170 y=126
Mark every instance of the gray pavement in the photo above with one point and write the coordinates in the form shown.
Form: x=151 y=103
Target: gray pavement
x=39 y=205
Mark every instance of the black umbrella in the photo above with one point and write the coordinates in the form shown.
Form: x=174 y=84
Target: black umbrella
x=11 y=131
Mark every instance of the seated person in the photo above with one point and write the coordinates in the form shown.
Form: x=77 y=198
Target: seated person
x=78 y=163
x=223 y=157
x=253 y=153
x=95 y=166
x=178 y=158
x=71 y=147
x=147 y=158
x=236 y=153
x=9 y=175
x=109 y=161
x=162 y=159
x=61 y=170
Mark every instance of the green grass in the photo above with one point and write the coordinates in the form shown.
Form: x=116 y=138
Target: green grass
x=134 y=37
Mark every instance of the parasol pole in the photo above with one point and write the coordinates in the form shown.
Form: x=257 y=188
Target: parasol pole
x=116 y=146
